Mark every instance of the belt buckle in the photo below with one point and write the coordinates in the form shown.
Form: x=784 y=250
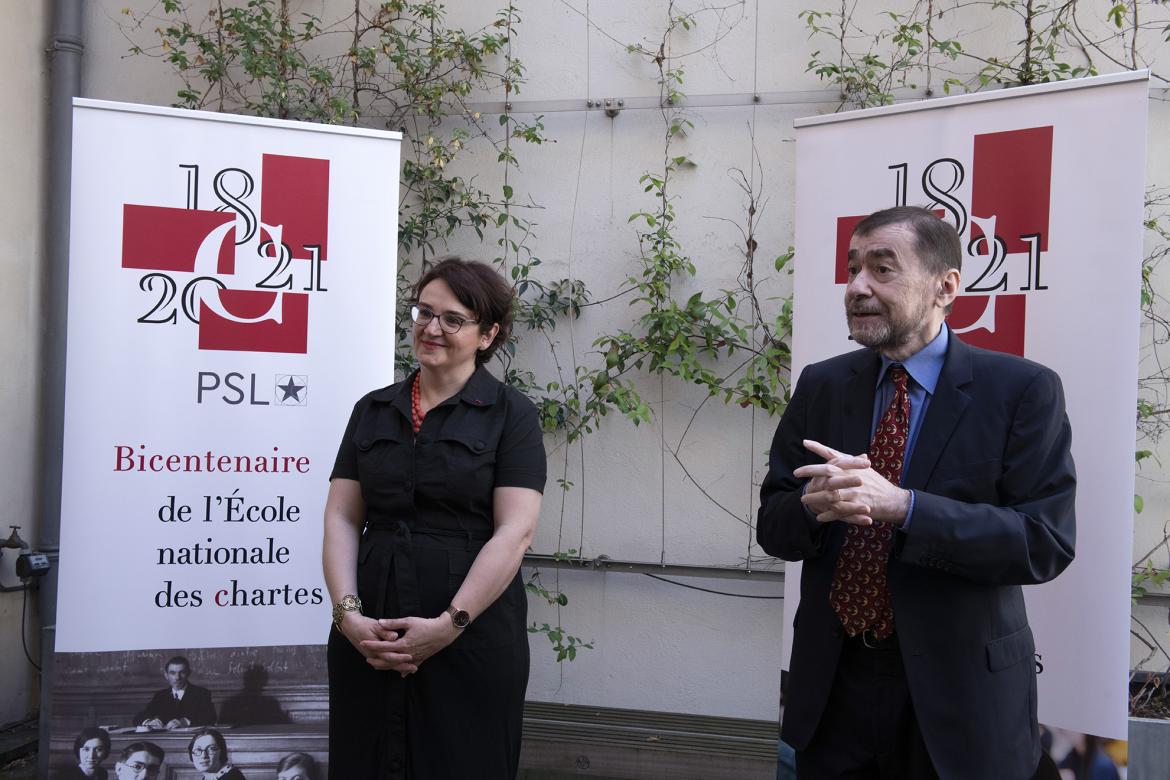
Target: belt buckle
x=866 y=635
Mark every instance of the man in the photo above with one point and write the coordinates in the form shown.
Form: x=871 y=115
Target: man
x=922 y=482
x=139 y=760
x=182 y=703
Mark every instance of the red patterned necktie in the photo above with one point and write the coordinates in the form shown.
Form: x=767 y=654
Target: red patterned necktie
x=860 y=595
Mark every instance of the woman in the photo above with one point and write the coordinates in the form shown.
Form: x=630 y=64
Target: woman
x=432 y=502
x=209 y=755
x=297 y=766
x=90 y=749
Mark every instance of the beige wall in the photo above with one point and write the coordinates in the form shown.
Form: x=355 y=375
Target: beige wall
x=24 y=93
x=642 y=663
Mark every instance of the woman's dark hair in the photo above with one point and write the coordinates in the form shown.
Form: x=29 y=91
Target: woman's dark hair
x=299 y=761
x=477 y=286
x=220 y=742
x=88 y=733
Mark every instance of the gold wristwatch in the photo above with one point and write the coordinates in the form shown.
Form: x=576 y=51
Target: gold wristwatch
x=348 y=603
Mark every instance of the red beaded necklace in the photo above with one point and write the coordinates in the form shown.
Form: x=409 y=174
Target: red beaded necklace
x=416 y=412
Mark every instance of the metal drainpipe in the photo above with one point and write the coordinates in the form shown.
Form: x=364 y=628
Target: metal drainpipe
x=65 y=48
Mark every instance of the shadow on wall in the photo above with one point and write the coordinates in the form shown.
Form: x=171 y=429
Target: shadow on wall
x=251 y=706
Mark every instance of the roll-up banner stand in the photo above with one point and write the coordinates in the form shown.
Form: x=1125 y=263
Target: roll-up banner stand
x=231 y=294
x=1045 y=185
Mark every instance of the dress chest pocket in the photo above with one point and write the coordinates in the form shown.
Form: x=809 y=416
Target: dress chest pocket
x=384 y=457
x=468 y=461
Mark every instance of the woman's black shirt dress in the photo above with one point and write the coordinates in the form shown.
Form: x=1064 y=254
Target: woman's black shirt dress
x=428 y=512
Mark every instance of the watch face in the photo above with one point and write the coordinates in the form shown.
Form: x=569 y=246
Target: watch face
x=460 y=618
x=348 y=603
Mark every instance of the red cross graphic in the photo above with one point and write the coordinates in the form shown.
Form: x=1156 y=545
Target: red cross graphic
x=294 y=202
x=1011 y=182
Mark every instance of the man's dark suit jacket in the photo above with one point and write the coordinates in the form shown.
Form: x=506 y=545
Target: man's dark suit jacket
x=196 y=706
x=995 y=488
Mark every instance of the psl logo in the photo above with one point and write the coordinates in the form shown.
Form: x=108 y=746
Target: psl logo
x=292 y=225
x=1005 y=231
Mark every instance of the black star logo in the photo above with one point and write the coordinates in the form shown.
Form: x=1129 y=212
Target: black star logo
x=291 y=390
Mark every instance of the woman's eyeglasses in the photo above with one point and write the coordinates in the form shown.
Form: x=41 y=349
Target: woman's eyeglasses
x=449 y=321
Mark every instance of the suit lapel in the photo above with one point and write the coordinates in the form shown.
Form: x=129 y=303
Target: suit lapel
x=945 y=410
x=858 y=412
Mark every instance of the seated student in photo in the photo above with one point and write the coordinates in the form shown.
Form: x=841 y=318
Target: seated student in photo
x=209 y=755
x=140 y=760
x=298 y=766
x=89 y=749
x=181 y=703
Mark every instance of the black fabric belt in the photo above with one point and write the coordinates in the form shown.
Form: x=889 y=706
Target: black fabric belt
x=401 y=559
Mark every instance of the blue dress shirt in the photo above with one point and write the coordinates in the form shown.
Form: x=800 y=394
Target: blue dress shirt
x=923 y=367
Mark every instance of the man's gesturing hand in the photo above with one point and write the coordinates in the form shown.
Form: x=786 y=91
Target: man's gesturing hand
x=847 y=488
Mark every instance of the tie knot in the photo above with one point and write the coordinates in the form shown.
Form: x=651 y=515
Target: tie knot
x=898 y=375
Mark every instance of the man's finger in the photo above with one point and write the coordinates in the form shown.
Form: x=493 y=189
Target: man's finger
x=846 y=509
x=858 y=520
x=842 y=481
x=835 y=457
x=851 y=462
x=823 y=450
x=815 y=470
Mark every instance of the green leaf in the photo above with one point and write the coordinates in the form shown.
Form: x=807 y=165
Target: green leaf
x=1138 y=503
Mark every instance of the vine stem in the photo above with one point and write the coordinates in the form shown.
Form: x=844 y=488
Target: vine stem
x=219 y=49
x=1026 y=72
x=357 y=22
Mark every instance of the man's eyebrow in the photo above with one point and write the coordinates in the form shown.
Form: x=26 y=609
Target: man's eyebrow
x=880 y=252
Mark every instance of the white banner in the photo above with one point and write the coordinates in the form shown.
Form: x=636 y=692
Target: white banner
x=231 y=294
x=1056 y=174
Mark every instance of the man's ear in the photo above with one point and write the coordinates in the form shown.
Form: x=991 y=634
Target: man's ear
x=948 y=287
